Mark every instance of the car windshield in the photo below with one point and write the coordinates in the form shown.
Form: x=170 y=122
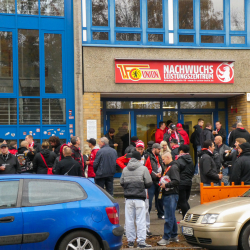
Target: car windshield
x=247 y=194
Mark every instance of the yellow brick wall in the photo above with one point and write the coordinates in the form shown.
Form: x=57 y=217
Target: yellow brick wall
x=243 y=110
x=91 y=111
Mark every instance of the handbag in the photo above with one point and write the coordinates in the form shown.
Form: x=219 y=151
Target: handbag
x=49 y=171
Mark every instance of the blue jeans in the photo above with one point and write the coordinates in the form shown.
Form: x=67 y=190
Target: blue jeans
x=154 y=191
x=170 y=226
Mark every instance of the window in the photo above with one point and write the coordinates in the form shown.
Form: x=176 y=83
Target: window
x=45 y=192
x=237 y=15
x=100 y=13
x=211 y=12
x=54 y=111
x=8 y=194
x=155 y=37
x=198 y=105
x=52 y=7
x=221 y=105
x=28 y=61
x=170 y=116
x=29 y=111
x=170 y=105
x=238 y=40
x=155 y=15
x=130 y=37
x=212 y=39
x=53 y=63
x=186 y=38
x=127 y=13
x=222 y=118
x=7 y=6
x=8 y=111
x=186 y=12
x=100 y=36
x=6 y=62
x=29 y=7
x=133 y=105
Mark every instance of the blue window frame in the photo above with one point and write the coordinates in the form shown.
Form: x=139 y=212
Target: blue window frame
x=48 y=104
x=195 y=36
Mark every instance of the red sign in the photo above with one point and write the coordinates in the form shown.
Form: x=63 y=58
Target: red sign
x=145 y=71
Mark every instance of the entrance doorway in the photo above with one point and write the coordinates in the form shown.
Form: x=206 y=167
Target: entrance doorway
x=190 y=120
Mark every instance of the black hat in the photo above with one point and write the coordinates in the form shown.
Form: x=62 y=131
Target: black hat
x=4 y=145
x=136 y=155
x=175 y=141
x=172 y=126
x=234 y=125
x=245 y=146
x=92 y=141
x=134 y=139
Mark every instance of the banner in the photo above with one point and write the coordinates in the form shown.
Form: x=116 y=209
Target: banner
x=157 y=71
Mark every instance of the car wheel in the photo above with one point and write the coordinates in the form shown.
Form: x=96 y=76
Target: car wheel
x=79 y=240
x=245 y=238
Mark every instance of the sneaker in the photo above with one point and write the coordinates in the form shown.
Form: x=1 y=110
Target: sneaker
x=131 y=245
x=175 y=239
x=161 y=217
x=149 y=234
x=180 y=212
x=163 y=242
x=144 y=245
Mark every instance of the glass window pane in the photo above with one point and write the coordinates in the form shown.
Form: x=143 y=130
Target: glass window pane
x=237 y=14
x=7 y=6
x=54 y=111
x=186 y=14
x=155 y=15
x=186 y=38
x=211 y=14
x=222 y=118
x=170 y=105
x=198 y=105
x=127 y=13
x=100 y=13
x=8 y=194
x=6 y=62
x=212 y=39
x=52 y=7
x=155 y=37
x=53 y=63
x=132 y=105
x=238 y=40
x=170 y=116
x=28 y=7
x=28 y=61
x=29 y=111
x=8 y=111
x=221 y=105
x=132 y=37
x=100 y=36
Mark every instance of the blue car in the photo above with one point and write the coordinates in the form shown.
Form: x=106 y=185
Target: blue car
x=57 y=212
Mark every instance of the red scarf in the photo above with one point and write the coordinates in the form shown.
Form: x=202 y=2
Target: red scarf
x=204 y=149
x=174 y=136
x=175 y=146
x=31 y=145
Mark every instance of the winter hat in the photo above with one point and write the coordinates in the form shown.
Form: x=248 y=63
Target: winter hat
x=245 y=146
x=172 y=126
x=156 y=145
x=179 y=125
x=140 y=144
x=150 y=144
x=136 y=155
x=134 y=139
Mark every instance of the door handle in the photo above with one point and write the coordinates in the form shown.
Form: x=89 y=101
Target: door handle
x=7 y=219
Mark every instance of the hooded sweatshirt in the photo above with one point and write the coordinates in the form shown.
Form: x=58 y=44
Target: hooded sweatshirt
x=186 y=167
x=238 y=133
x=135 y=179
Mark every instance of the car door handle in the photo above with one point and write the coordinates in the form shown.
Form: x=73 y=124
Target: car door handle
x=7 y=219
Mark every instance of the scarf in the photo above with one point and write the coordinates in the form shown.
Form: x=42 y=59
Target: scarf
x=204 y=149
x=174 y=136
x=32 y=145
x=175 y=146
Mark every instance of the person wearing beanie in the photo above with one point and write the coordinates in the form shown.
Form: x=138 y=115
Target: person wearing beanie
x=241 y=169
x=135 y=179
x=132 y=145
x=159 y=134
x=183 y=133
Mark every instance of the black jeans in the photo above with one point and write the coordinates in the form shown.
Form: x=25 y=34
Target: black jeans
x=106 y=182
x=184 y=193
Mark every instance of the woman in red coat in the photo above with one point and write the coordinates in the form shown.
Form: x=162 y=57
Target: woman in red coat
x=183 y=133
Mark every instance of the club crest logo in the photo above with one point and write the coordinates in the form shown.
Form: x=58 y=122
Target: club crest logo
x=225 y=72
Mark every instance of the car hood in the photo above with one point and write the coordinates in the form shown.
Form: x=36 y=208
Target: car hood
x=221 y=205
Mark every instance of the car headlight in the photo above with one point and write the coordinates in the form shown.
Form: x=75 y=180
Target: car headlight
x=209 y=219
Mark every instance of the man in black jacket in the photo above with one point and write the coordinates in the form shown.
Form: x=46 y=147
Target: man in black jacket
x=241 y=170
x=32 y=144
x=206 y=134
x=105 y=165
x=186 y=167
x=8 y=162
x=55 y=144
x=174 y=147
x=132 y=145
x=111 y=137
x=208 y=169
x=220 y=132
x=170 y=197
x=68 y=165
x=239 y=132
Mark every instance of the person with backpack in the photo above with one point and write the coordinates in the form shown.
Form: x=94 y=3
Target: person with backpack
x=68 y=166
x=44 y=160
x=25 y=156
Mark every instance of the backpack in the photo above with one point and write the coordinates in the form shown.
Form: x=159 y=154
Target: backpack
x=24 y=162
x=192 y=138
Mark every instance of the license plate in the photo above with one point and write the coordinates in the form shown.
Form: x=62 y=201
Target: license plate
x=188 y=231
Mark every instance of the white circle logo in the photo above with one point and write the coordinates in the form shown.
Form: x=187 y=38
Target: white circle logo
x=225 y=72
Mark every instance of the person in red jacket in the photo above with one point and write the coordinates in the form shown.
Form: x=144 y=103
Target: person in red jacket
x=183 y=133
x=13 y=147
x=159 y=134
x=94 y=150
